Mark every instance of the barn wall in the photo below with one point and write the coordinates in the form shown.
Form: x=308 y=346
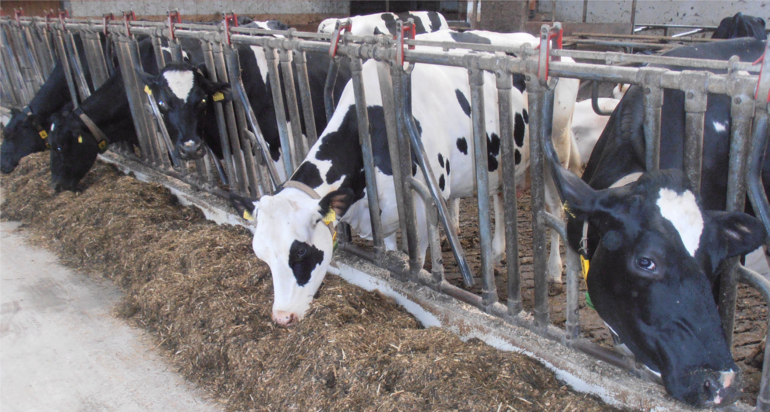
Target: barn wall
x=291 y=12
x=503 y=16
x=695 y=12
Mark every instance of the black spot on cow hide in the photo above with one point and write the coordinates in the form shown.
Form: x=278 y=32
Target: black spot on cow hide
x=440 y=160
x=303 y=258
x=435 y=21
x=518 y=130
x=493 y=144
x=517 y=156
x=447 y=167
x=390 y=22
x=526 y=116
x=462 y=37
x=463 y=102
x=419 y=28
x=462 y=145
x=308 y=174
x=441 y=182
x=519 y=83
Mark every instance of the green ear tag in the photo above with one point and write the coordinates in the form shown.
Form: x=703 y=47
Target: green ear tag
x=43 y=134
x=218 y=96
x=589 y=303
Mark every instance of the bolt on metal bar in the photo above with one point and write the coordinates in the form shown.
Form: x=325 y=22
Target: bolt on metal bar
x=290 y=161
x=430 y=178
x=480 y=153
x=300 y=144
x=541 y=108
x=300 y=62
x=504 y=86
x=400 y=140
x=695 y=103
x=365 y=139
x=232 y=128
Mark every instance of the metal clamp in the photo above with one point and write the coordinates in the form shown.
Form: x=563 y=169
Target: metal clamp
x=548 y=33
x=17 y=15
x=403 y=28
x=128 y=16
x=63 y=15
x=341 y=25
x=170 y=15
x=105 y=17
x=229 y=17
x=763 y=85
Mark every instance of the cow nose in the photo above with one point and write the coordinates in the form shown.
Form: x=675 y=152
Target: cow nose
x=723 y=389
x=190 y=150
x=285 y=318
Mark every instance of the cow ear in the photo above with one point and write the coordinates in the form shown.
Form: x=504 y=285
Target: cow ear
x=146 y=78
x=246 y=207
x=737 y=232
x=339 y=201
x=219 y=91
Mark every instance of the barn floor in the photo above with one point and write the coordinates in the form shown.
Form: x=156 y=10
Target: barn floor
x=200 y=291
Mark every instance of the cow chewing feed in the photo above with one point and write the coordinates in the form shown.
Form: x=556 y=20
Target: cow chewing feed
x=655 y=246
x=27 y=130
x=385 y=23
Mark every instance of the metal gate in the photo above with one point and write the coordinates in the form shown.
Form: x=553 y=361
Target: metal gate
x=28 y=50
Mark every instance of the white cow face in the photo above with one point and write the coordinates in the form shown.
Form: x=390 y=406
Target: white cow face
x=293 y=238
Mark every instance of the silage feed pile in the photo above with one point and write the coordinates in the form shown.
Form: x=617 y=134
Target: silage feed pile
x=199 y=289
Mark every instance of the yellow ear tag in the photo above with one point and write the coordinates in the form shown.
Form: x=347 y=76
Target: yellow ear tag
x=330 y=217
x=566 y=209
x=43 y=134
x=585 y=264
x=102 y=146
x=148 y=90
x=80 y=139
x=218 y=96
x=247 y=215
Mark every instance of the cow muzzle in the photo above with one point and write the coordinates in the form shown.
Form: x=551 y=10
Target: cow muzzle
x=285 y=318
x=190 y=150
x=714 y=389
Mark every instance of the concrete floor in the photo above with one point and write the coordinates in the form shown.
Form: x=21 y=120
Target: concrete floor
x=62 y=350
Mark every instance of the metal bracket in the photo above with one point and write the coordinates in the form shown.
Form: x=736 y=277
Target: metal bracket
x=403 y=27
x=105 y=18
x=229 y=17
x=339 y=27
x=694 y=84
x=128 y=16
x=63 y=15
x=170 y=16
x=548 y=33
x=17 y=15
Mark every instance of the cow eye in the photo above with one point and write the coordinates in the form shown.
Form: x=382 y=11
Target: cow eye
x=646 y=264
x=301 y=252
x=162 y=105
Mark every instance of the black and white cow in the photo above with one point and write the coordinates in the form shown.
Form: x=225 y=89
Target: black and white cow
x=184 y=95
x=654 y=246
x=291 y=235
x=27 y=130
x=385 y=23
x=741 y=25
x=587 y=126
x=73 y=147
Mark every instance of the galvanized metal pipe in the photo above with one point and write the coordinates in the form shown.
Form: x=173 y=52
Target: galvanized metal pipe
x=695 y=103
x=756 y=190
x=77 y=68
x=219 y=111
x=434 y=240
x=507 y=155
x=365 y=140
x=290 y=161
x=300 y=145
x=652 y=99
x=300 y=62
x=331 y=80
x=761 y=284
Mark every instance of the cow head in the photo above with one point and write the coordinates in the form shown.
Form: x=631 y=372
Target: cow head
x=184 y=95
x=23 y=135
x=654 y=254
x=73 y=150
x=293 y=238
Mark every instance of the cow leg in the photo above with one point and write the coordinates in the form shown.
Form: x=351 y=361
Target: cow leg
x=391 y=243
x=453 y=207
x=498 y=241
x=553 y=204
x=422 y=228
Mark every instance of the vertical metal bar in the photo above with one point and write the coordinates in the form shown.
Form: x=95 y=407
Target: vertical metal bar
x=541 y=109
x=572 y=308
x=633 y=15
x=300 y=62
x=77 y=68
x=96 y=63
x=232 y=127
x=331 y=80
x=300 y=145
x=504 y=85
x=227 y=155
x=15 y=69
x=366 y=147
x=290 y=161
x=489 y=290
x=695 y=103
x=33 y=56
x=175 y=47
x=741 y=112
x=64 y=60
x=403 y=162
x=585 y=10
x=652 y=99
x=434 y=241
x=23 y=58
x=757 y=193
x=157 y=48
x=391 y=129
x=9 y=72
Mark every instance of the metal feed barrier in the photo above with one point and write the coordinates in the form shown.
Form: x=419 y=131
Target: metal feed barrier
x=249 y=171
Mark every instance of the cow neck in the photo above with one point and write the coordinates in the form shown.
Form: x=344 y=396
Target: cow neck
x=96 y=132
x=108 y=104
x=53 y=94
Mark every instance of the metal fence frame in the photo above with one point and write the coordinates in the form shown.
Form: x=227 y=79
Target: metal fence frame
x=250 y=172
